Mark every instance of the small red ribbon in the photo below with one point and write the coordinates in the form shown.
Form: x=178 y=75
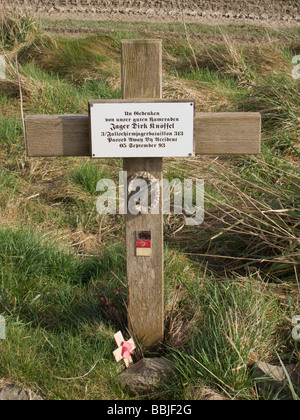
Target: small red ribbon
x=143 y=243
x=126 y=350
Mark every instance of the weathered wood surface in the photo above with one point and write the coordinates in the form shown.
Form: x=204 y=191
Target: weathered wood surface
x=141 y=69
x=215 y=134
x=142 y=78
x=57 y=135
x=227 y=133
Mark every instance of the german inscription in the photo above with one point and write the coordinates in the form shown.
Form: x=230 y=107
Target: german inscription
x=154 y=129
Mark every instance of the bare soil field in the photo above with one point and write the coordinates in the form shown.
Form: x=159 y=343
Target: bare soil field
x=272 y=11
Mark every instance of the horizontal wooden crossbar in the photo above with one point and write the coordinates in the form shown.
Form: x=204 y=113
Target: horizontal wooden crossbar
x=215 y=134
x=57 y=135
x=227 y=133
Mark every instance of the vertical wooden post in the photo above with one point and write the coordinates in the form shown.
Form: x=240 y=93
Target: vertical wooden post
x=142 y=78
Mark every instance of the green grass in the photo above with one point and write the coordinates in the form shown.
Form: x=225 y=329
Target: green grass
x=87 y=177
x=134 y=29
x=57 y=254
x=10 y=134
x=58 y=96
x=50 y=296
x=10 y=183
x=237 y=322
x=74 y=55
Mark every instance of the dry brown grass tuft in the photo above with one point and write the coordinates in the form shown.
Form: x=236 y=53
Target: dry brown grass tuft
x=207 y=96
x=17 y=29
x=202 y=393
x=11 y=85
x=248 y=222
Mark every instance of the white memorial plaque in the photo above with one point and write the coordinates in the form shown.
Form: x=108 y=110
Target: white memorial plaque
x=142 y=129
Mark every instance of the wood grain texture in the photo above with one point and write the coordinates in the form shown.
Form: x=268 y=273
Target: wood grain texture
x=57 y=135
x=145 y=274
x=142 y=78
x=141 y=69
x=215 y=134
x=227 y=133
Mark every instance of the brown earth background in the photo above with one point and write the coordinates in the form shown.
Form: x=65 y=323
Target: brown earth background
x=273 y=11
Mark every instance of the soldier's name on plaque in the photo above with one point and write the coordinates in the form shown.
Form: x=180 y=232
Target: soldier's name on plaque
x=142 y=129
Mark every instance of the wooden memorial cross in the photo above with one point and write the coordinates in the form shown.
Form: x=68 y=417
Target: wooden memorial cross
x=214 y=134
